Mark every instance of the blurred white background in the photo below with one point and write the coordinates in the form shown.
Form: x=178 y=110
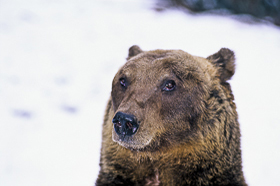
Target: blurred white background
x=57 y=61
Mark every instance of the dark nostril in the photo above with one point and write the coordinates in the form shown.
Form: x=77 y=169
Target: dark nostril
x=118 y=124
x=125 y=124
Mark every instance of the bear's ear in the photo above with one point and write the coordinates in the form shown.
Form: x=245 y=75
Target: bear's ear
x=224 y=60
x=133 y=51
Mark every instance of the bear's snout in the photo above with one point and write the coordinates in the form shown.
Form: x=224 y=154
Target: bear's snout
x=125 y=124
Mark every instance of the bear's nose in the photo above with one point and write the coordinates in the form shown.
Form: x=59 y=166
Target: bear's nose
x=125 y=124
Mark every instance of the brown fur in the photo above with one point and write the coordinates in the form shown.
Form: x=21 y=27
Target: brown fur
x=188 y=136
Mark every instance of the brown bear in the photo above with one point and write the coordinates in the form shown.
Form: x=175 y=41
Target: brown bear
x=171 y=120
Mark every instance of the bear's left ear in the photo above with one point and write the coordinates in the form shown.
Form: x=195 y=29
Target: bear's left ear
x=224 y=60
x=133 y=51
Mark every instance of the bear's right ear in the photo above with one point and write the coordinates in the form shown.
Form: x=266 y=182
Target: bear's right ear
x=133 y=51
x=224 y=60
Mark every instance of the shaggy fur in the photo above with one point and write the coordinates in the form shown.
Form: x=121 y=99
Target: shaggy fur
x=188 y=132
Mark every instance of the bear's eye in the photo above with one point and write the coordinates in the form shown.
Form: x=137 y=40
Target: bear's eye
x=169 y=85
x=123 y=82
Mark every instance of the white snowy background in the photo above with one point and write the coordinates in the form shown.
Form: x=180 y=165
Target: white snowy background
x=57 y=61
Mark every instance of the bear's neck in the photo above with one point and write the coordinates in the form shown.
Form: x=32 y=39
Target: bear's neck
x=157 y=167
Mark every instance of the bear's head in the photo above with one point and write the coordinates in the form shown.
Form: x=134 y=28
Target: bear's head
x=165 y=97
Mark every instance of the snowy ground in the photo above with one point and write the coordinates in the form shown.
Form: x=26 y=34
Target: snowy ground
x=57 y=60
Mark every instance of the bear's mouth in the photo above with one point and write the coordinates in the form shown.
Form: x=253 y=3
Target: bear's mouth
x=137 y=141
x=131 y=142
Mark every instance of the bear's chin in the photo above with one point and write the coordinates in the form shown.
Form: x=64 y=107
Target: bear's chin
x=131 y=142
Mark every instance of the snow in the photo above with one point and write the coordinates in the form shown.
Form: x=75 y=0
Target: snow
x=57 y=61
